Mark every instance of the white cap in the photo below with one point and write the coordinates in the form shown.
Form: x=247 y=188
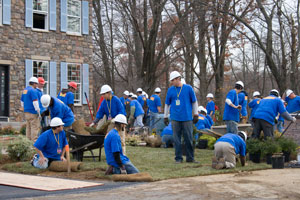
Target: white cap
x=130 y=94
x=201 y=108
x=134 y=96
x=105 y=88
x=243 y=133
x=209 y=95
x=240 y=83
x=289 y=92
x=157 y=90
x=120 y=118
x=174 y=74
x=256 y=93
x=126 y=92
x=274 y=91
x=139 y=90
x=33 y=80
x=144 y=93
x=45 y=100
x=183 y=81
x=56 y=121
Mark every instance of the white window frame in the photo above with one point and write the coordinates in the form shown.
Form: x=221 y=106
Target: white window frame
x=80 y=18
x=79 y=84
x=48 y=74
x=46 y=13
x=1 y=8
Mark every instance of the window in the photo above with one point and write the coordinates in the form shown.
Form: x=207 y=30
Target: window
x=0 y=12
x=74 y=16
x=40 y=14
x=74 y=74
x=41 y=69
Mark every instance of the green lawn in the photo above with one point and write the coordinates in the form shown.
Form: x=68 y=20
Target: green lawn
x=159 y=162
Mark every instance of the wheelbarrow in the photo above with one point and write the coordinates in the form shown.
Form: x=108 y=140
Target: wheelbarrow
x=81 y=143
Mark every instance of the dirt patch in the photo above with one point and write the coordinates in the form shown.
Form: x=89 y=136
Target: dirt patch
x=5 y=159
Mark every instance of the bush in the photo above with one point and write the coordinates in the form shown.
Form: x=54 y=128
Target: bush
x=8 y=130
x=23 y=130
x=287 y=144
x=210 y=140
x=20 y=149
x=254 y=146
x=270 y=146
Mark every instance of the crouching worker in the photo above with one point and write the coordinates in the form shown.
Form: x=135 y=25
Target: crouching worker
x=226 y=149
x=51 y=145
x=117 y=161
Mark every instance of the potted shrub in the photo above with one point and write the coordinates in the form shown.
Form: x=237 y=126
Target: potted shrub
x=254 y=149
x=288 y=146
x=270 y=147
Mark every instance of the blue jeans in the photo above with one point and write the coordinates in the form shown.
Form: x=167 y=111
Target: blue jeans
x=186 y=129
x=167 y=140
x=130 y=169
x=232 y=126
x=280 y=126
x=153 y=119
x=35 y=162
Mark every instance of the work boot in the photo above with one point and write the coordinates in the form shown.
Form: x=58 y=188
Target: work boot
x=221 y=164
x=214 y=162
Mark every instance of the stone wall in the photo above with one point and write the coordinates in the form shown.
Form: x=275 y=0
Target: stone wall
x=19 y=43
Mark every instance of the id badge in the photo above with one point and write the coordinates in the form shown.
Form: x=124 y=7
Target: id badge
x=177 y=102
x=58 y=150
x=109 y=117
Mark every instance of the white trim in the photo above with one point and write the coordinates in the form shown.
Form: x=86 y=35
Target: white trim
x=41 y=58
x=1 y=12
x=48 y=71
x=46 y=13
x=79 y=84
x=80 y=18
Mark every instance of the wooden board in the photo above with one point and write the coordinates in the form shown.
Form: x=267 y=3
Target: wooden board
x=42 y=183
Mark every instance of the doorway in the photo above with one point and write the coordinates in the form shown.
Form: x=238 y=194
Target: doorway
x=4 y=91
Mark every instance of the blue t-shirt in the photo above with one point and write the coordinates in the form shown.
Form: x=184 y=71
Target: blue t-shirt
x=67 y=98
x=253 y=105
x=40 y=94
x=141 y=99
x=122 y=99
x=231 y=113
x=183 y=111
x=210 y=107
x=167 y=130
x=48 y=145
x=153 y=103
x=236 y=141
x=210 y=121
x=293 y=105
x=111 y=108
x=61 y=110
x=112 y=144
x=268 y=109
x=243 y=102
x=138 y=108
x=28 y=96
x=202 y=122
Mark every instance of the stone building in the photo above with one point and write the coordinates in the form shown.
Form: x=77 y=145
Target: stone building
x=44 y=38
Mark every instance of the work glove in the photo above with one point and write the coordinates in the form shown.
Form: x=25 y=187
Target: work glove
x=166 y=121
x=195 y=119
x=92 y=124
x=294 y=119
x=123 y=170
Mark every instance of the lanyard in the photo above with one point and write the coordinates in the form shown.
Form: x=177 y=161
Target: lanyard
x=179 y=91
x=57 y=141
x=109 y=108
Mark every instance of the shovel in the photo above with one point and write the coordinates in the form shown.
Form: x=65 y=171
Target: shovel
x=288 y=126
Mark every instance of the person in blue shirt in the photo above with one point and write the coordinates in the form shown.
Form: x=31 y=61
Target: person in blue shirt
x=243 y=99
x=51 y=145
x=265 y=115
x=210 y=107
x=136 y=113
x=167 y=138
x=124 y=98
x=202 y=120
x=56 y=108
x=254 y=105
x=117 y=161
x=30 y=105
x=231 y=114
x=182 y=103
x=67 y=95
x=154 y=104
x=210 y=121
x=227 y=148
x=39 y=89
x=293 y=101
x=140 y=97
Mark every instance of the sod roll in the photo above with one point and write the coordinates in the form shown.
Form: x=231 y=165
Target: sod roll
x=62 y=166
x=78 y=127
x=139 y=177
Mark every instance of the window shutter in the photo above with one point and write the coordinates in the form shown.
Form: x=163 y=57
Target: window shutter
x=53 y=15
x=63 y=15
x=52 y=81
x=28 y=14
x=28 y=70
x=63 y=75
x=85 y=82
x=6 y=12
x=85 y=17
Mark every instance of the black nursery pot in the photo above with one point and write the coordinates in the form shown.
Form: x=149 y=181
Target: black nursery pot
x=254 y=157
x=286 y=156
x=269 y=159
x=202 y=144
x=277 y=162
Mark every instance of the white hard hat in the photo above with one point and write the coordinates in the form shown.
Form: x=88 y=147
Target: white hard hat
x=243 y=133
x=139 y=90
x=105 y=88
x=183 y=81
x=274 y=92
x=289 y=92
x=130 y=94
x=33 y=80
x=209 y=95
x=157 y=90
x=256 y=93
x=120 y=118
x=134 y=96
x=201 y=108
x=240 y=83
x=56 y=121
x=126 y=93
x=45 y=100
x=174 y=74
x=144 y=93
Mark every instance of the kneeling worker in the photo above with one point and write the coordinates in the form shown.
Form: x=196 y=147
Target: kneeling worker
x=51 y=145
x=118 y=162
x=226 y=149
